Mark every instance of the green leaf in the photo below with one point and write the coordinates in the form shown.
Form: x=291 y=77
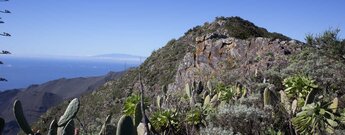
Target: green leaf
x=332 y=122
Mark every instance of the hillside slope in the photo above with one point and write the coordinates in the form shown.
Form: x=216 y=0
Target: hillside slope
x=172 y=65
x=229 y=52
x=37 y=99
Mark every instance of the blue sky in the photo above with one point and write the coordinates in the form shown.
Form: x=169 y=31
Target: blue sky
x=86 y=28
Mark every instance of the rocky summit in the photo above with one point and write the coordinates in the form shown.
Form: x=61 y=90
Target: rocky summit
x=225 y=77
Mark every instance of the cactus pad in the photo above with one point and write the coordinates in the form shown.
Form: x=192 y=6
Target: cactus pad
x=53 y=128
x=2 y=125
x=18 y=113
x=138 y=116
x=267 y=97
x=70 y=112
x=125 y=126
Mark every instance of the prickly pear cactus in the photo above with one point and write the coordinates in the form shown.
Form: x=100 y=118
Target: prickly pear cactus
x=294 y=106
x=68 y=129
x=209 y=86
x=188 y=90
x=53 y=128
x=164 y=89
x=214 y=100
x=267 y=97
x=138 y=116
x=334 y=105
x=18 y=113
x=285 y=101
x=207 y=101
x=2 y=125
x=159 y=102
x=200 y=87
x=189 y=93
x=125 y=126
x=70 y=112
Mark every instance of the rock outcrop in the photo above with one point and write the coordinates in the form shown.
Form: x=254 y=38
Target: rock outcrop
x=225 y=58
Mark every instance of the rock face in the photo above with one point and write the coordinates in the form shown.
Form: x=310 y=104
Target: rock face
x=216 y=54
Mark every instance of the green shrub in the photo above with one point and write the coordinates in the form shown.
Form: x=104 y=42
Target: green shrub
x=226 y=92
x=230 y=92
x=130 y=104
x=315 y=118
x=165 y=121
x=298 y=86
x=215 y=131
x=328 y=41
x=196 y=116
x=241 y=119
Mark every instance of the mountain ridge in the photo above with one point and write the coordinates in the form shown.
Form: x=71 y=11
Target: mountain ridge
x=119 y=55
x=38 y=98
x=161 y=69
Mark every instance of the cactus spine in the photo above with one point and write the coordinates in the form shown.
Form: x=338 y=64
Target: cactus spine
x=125 y=126
x=18 y=113
x=2 y=125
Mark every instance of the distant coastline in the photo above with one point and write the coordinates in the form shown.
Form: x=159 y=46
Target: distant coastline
x=22 y=72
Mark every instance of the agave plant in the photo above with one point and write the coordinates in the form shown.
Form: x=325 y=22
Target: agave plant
x=299 y=86
x=165 y=121
x=131 y=103
x=226 y=93
x=196 y=116
x=315 y=118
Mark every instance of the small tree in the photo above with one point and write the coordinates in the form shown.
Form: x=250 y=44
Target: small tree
x=329 y=41
x=4 y=34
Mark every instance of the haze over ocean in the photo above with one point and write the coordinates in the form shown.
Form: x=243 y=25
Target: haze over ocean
x=22 y=72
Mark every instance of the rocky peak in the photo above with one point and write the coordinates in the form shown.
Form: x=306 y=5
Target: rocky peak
x=234 y=27
x=221 y=57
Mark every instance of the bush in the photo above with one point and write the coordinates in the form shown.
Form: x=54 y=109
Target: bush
x=215 y=131
x=130 y=104
x=315 y=118
x=242 y=119
x=329 y=41
x=299 y=86
x=165 y=121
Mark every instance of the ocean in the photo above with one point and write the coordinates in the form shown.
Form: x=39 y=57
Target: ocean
x=22 y=72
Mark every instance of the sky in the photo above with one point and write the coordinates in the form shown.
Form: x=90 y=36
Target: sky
x=87 y=28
